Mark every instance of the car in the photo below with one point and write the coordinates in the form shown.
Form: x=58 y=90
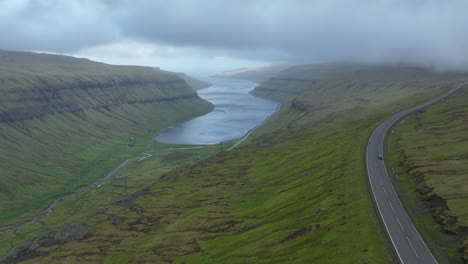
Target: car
x=379 y=157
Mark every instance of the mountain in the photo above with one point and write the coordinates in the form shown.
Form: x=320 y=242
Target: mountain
x=64 y=122
x=296 y=192
x=191 y=81
x=259 y=74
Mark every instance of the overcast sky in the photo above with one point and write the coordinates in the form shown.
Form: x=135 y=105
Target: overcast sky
x=215 y=35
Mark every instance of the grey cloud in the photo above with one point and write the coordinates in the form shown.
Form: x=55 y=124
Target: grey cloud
x=53 y=25
x=423 y=32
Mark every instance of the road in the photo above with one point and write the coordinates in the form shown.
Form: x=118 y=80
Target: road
x=409 y=246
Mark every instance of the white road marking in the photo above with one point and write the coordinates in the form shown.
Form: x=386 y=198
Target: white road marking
x=412 y=247
x=378 y=205
x=381 y=129
x=398 y=220
x=391 y=206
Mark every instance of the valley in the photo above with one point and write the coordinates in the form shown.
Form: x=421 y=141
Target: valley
x=66 y=122
x=233 y=132
x=296 y=191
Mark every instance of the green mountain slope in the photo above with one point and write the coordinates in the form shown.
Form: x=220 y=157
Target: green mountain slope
x=259 y=74
x=296 y=193
x=192 y=82
x=65 y=122
x=429 y=151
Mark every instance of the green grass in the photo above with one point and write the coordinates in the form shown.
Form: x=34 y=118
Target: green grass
x=65 y=122
x=75 y=158
x=294 y=193
x=429 y=152
x=93 y=200
x=242 y=210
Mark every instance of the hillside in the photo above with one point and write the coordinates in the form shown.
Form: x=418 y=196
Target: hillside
x=429 y=151
x=192 y=82
x=258 y=75
x=295 y=193
x=65 y=122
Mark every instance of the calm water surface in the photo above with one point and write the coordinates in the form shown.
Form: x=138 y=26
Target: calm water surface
x=235 y=113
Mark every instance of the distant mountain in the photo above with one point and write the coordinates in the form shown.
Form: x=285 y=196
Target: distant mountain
x=191 y=81
x=259 y=74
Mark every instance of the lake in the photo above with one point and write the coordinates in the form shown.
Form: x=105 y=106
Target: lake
x=235 y=113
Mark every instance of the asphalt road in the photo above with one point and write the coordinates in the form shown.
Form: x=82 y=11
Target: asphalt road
x=409 y=246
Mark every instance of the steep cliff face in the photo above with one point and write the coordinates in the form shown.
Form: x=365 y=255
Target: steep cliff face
x=47 y=84
x=309 y=87
x=60 y=117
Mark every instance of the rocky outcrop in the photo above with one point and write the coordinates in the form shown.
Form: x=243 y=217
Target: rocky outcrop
x=66 y=233
x=34 y=103
x=436 y=205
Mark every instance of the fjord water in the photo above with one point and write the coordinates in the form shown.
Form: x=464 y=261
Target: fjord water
x=235 y=113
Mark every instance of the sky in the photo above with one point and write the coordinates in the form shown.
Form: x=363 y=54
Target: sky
x=215 y=35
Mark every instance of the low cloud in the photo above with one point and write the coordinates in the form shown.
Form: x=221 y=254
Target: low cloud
x=420 y=32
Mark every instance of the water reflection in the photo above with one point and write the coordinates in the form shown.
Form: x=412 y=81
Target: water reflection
x=235 y=113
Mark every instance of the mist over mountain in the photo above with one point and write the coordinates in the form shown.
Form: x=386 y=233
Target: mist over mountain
x=258 y=74
x=234 y=34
